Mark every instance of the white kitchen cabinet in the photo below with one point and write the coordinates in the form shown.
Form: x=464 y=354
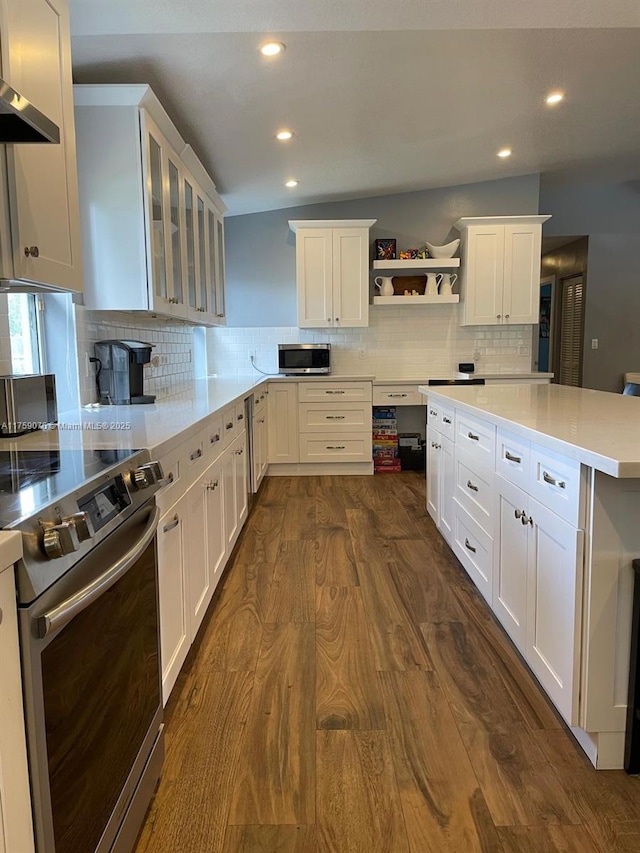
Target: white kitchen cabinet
x=173 y=594
x=283 y=422
x=500 y=269
x=151 y=217
x=235 y=488
x=216 y=542
x=433 y=474
x=440 y=481
x=199 y=581
x=241 y=472
x=260 y=440
x=332 y=272
x=510 y=570
x=44 y=216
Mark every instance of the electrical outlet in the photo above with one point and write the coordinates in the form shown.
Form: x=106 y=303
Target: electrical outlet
x=362 y=354
x=594 y=343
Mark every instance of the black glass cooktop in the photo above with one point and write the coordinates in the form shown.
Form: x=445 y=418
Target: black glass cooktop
x=31 y=480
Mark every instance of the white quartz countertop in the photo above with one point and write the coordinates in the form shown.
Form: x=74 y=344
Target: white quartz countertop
x=599 y=429
x=10 y=548
x=423 y=378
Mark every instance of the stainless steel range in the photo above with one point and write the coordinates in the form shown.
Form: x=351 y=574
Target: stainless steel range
x=88 y=617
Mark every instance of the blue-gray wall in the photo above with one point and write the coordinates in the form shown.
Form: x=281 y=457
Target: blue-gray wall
x=260 y=249
x=610 y=215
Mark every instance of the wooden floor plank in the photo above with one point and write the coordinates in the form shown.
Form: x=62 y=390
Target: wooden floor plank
x=260 y=540
x=358 y=804
x=202 y=752
x=347 y=695
x=367 y=543
x=270 y=839
x=275 y=773
x=292 y=594
x=545 y=839
x=425 y=592
x=396 y=642
x=443 y=807
x=301 y=518
x=334 y=557
x=515 y=778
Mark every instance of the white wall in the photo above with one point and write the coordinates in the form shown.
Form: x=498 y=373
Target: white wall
x=5 y=340
x=411 y=341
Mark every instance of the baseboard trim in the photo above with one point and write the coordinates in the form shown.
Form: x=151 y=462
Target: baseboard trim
x=317 y=469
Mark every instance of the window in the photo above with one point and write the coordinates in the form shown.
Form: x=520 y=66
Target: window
x=24 y=333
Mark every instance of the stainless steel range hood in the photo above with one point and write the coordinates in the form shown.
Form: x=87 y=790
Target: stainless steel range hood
x=20 y=121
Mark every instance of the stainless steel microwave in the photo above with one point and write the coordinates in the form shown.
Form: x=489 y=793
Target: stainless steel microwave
x=296 y=359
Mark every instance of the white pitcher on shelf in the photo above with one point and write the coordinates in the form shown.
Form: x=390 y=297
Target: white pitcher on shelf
x=433 y=283
x=448 y=280
x=384 y=283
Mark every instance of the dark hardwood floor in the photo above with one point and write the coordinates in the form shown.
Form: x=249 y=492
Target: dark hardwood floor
x=349 y=692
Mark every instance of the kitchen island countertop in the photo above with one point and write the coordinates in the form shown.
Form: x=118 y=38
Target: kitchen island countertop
x=597 y=428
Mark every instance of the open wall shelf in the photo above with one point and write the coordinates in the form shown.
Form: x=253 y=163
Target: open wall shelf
x=419 y=264
x=417 y=300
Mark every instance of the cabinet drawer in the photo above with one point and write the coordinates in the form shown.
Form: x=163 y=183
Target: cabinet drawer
x=316 y=417
x=259 y=400
x=335 y=447
x=477 y=437
x=433 y=414
x=555 y=481
x=513 y=456
x=338 y=392
x=474 y=489
x=214 y=437
x=474 y=548
x=194 y=459
x=397 y=395
x=229 y=426
x=172 y=464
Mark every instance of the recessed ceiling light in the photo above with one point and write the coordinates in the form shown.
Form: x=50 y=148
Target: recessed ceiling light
x=272 y=48
x=504 y=152
x=284 y=135
x=292 y=183
x=554 y=98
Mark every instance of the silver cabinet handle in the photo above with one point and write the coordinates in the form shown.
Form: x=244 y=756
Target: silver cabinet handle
x=31 y=251
x=433 y=412
x=512 y=458
x=64 y=612
x=472 y=486
x=167 y=481
x=498 y=316
x=240 y=452
x=196 y=454
x=261 y=421
x=335 y=447
x=473 y=437
x=519 y=513
x=334 y=392
x=229 y=425
x=469 y=546
x=446 y=420
x=506 y=316
x=212 y=486
x=552 y=481
x=334 y=417
x=214 y=438
x=240 y=417
x=172 y=524
x=397 y=395
x=526 y=519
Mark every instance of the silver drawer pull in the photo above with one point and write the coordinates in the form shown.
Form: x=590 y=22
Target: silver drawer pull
x=552 y=481
x=446 y=420
x=526 y=519
x=240 y=417
x=433 y=412
x=215 y=438
x=196 y=454
x=519 y=513
x=512 y=458
x=172 y=524
x=336 y=447
x=473 y=437
x=469 y=546
x=261 y=421
x=229 y=425
x=397 y=395
x=212 y=486
x=334 y=392
x=167 y=481
x=334 y=417
x=240 y=452
x=472 y=486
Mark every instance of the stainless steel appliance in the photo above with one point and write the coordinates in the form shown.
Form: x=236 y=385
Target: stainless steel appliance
x=21 y=121
x=88 y=621
x=295 y=359
x=27 y=403
x=119 y=376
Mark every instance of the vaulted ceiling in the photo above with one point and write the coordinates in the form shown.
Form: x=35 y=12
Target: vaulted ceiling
x=383 y=97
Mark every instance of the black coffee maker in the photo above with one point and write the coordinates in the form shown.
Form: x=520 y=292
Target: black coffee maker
x=119 y=374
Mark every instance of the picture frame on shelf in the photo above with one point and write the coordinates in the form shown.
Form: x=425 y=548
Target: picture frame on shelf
x=385 y=249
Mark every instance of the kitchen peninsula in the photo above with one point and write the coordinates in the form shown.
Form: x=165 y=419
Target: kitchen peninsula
x=537 y=490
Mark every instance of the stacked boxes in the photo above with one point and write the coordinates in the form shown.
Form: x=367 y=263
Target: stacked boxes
x=385 y=440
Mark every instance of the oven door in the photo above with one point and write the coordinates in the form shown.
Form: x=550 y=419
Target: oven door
x=92 y=690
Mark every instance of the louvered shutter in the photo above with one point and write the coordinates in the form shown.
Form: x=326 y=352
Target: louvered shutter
x=571 y=330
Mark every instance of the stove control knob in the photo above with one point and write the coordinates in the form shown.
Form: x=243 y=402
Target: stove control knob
x=83 y=525
x=60 y=539
x=147 y=475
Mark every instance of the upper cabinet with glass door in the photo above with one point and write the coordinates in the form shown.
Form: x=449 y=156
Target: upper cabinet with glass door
x=144 y=202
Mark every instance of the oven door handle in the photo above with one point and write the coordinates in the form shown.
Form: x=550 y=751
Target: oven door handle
x=65 y=612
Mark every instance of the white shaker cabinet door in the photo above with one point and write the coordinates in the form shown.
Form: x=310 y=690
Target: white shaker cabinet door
x=314 y=277
x=511 y=560
x=554 y=596
x=173 y=595
x=483 y=271
x=216 y=542
x=283 y=422
x=241 y=471
x=434 y=454
x=522 y=248
x=447 y=485
x=43 y=178
x=199 y=583
x=350 y=270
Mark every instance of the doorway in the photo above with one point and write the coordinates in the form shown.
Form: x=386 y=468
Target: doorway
x=571 y=330
x=543 y=332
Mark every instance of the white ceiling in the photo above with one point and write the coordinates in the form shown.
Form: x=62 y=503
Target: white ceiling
x=383 y=96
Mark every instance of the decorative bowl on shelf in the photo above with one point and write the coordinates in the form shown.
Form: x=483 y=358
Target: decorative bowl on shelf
x=446 y=251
